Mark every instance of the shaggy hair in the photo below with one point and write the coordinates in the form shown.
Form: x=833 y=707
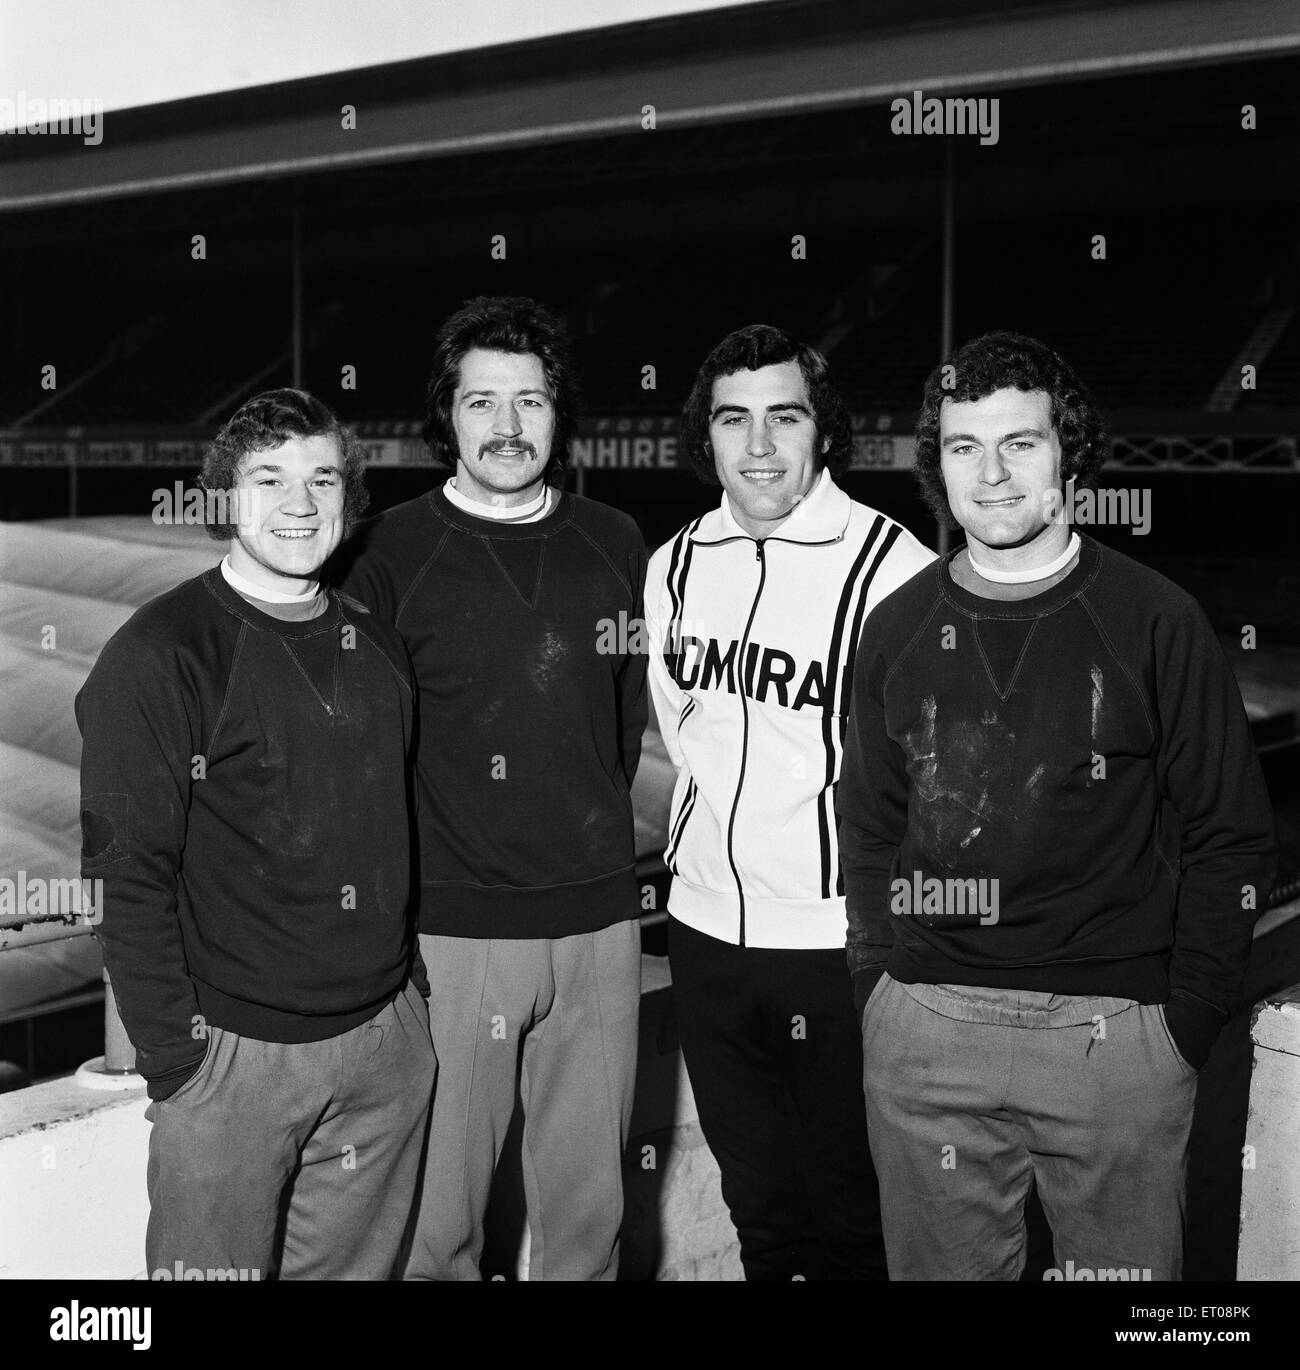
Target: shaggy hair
x=502 y=323
x=999 y=361
x=270 y=420
x=748 y=349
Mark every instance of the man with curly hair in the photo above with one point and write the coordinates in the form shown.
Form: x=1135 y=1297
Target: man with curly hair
x=754 y=612
x=1055 y=840
x=520 y=604
x=244 y=800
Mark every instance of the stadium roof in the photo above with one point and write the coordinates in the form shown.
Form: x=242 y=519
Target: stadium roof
x=784 y=58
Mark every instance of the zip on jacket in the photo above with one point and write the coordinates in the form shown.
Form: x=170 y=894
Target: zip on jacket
x=762 y=715
x=744 y=744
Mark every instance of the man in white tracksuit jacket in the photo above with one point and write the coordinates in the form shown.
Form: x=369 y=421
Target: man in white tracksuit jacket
x=754 y=612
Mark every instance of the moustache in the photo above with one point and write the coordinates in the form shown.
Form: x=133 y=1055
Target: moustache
x=494 y=447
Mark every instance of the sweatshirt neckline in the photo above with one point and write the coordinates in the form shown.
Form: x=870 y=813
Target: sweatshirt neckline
x=1036 y=606
x=236 y=604
x=556 y=518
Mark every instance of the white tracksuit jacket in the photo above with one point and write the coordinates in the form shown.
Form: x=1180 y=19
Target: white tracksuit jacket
x=751 y=668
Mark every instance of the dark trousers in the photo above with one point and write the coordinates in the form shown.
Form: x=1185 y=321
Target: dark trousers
x=774 y=1053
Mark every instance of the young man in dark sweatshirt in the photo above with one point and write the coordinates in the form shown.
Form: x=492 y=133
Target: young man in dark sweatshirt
x=1055 y=840
x=246 y=739
x=519 y=604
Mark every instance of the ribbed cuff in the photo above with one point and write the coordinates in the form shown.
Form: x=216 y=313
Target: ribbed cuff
x=163 y=1086
x=1194 y=1026
x=863 y=983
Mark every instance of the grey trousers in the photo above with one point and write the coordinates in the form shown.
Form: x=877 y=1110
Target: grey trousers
x=293 y=1160
x=554 y=1020
x=966 y=1105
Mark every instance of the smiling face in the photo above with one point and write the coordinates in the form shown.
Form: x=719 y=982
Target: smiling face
x=504 y=418
x=1001 y=461
x=290 y=512
x=763 y=438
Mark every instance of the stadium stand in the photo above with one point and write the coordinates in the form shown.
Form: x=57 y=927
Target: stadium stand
x=1140 y=325
x=1279 y=381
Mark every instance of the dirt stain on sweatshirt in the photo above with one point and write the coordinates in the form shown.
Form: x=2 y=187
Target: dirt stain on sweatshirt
x=958 y=770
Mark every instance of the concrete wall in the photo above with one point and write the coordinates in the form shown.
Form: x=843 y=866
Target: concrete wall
x=73 y=1203
x=72 y=1165
x=1223 y=1101
x=1269 y=1247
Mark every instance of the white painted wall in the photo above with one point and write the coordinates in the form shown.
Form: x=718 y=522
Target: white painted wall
x=1269 y=1244
x=72 y=1168
x=73 y=1203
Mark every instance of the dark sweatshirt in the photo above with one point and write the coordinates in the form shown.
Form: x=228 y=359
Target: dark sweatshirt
x=245 y=802
x=1086 y=748
x=531 y=708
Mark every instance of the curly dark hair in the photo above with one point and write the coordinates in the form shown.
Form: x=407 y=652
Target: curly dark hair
x=269 y=420
x=747 y=349
x=502 y=323
x=999 y=361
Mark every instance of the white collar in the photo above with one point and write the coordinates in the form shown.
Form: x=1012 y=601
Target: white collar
x=516 y=513
x=1025 y=577
x=251 y=589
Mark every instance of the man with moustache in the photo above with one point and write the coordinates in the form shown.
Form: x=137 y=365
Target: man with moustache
x=246 y=739
x=530 y=733
x=1051 y=724
x=754 y=613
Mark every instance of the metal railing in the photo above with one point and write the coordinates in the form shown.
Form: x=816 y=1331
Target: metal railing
x=58 y=925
